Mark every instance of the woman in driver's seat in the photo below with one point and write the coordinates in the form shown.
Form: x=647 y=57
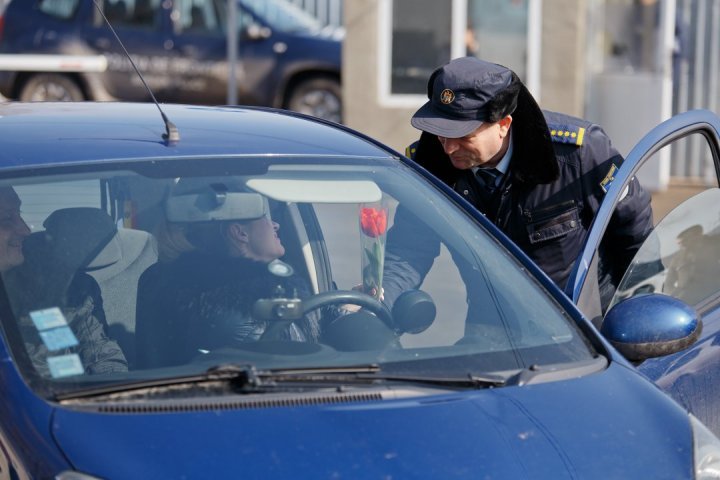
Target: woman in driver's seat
x=204 y=299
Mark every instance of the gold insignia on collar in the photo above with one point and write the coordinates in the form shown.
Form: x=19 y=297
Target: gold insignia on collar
x=605 y=184
x=447 y=96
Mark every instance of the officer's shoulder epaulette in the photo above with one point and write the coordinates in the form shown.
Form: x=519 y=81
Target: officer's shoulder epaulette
x=566 y=133
x=411 y=149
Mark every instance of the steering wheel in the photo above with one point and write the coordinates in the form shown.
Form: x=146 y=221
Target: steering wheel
x=354 y=297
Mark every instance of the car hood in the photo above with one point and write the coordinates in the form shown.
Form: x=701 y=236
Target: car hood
x=608 y=425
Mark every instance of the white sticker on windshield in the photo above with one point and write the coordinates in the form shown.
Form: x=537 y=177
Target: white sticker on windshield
x=65 y=365
x=48 y=318
x=58 y=338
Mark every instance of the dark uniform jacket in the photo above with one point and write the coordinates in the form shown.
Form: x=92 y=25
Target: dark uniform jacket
x=557 y=178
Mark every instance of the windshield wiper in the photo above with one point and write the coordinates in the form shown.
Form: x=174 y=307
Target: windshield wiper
x=233 y=375
x=367 y=374
x=247 y=379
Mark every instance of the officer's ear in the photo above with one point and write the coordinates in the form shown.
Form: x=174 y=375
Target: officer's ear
x=504 y=124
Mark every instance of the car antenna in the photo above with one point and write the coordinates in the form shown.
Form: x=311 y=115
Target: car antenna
x=171 y=135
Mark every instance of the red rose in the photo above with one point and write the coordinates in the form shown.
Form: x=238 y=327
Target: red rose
x=373 y=221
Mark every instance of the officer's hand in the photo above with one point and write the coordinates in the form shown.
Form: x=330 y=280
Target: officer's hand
x=372 y=292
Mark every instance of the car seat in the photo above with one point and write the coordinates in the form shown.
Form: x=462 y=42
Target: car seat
x=88 y=239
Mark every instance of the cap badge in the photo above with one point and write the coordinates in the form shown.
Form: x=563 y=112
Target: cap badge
x=447 y=96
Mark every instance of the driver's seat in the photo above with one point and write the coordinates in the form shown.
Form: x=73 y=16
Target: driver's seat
x=154 y=342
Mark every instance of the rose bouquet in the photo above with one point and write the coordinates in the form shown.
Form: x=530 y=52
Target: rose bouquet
x=373 y=225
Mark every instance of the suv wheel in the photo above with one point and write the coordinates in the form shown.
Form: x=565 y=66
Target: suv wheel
x=319 y=97
x=51 y=87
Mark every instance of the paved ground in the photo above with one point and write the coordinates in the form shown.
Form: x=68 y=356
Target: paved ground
x=663 y=202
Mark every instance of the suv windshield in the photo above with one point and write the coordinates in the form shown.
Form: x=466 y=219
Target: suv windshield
x=160 y=269
x=283 y=15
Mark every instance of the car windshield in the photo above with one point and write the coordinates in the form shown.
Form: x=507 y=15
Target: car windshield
x=159 y=269
x=283 y=15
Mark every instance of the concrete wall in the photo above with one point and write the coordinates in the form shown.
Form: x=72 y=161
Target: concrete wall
x=562 y=72
x=362 y=110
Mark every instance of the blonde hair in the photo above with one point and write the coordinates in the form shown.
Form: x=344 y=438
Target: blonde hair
x=172 y=241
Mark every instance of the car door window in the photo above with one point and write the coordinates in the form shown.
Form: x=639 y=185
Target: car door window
x=679 y=209
x=38 y=202
x=199 y=16
x=63 y=9
x=681 y=257
x=132 y=13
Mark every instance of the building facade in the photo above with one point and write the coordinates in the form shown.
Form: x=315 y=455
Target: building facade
x=625 y=64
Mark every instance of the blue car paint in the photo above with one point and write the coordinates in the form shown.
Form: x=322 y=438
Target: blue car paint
x=514 y=432
x=609 y=424
x=661 y=319
x=202 y=131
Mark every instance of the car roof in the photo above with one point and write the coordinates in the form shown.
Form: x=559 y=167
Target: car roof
x=64 y=133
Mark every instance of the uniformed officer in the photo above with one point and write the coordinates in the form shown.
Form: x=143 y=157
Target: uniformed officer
x=539 y=176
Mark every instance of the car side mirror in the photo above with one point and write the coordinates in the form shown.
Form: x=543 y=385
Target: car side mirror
x=413 y=311
x=651 y=325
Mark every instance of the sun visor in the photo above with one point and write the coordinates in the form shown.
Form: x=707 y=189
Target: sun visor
x=317 y=191
x=216 y=206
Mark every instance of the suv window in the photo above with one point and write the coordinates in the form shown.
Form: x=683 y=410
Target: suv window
x=62 y=9
x=284 y=16
x=131 y=13
x=199 y=16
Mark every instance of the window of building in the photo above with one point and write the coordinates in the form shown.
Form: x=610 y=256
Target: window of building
x=417 y=36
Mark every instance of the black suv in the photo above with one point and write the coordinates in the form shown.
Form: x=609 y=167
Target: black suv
x=285 y=58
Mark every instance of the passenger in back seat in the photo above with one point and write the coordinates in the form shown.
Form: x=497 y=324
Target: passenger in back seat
x=38 y=281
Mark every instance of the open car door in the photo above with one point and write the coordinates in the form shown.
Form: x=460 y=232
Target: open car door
x=680 y=259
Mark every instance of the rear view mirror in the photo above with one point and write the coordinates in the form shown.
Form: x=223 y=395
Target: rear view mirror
x=216 y=206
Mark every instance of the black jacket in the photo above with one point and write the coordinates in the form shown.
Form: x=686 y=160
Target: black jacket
x=202 y=302
x=557 y=178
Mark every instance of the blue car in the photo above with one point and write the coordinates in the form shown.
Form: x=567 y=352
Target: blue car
x=200 y=294
x=285 y=57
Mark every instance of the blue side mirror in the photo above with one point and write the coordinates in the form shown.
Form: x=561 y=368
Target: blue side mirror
x=652 y=325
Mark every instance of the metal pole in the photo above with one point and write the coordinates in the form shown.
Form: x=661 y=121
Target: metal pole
x=534 y=49
x=232 y=52
x=698 y=90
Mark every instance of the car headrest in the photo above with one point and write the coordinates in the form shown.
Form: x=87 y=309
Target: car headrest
x=82 y=237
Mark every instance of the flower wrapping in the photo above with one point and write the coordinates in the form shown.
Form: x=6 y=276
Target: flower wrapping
x=373 y=227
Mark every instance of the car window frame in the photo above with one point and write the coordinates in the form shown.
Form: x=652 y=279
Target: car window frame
x=580 y=285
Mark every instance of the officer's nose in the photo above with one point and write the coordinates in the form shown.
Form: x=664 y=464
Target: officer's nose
x=450 y=145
